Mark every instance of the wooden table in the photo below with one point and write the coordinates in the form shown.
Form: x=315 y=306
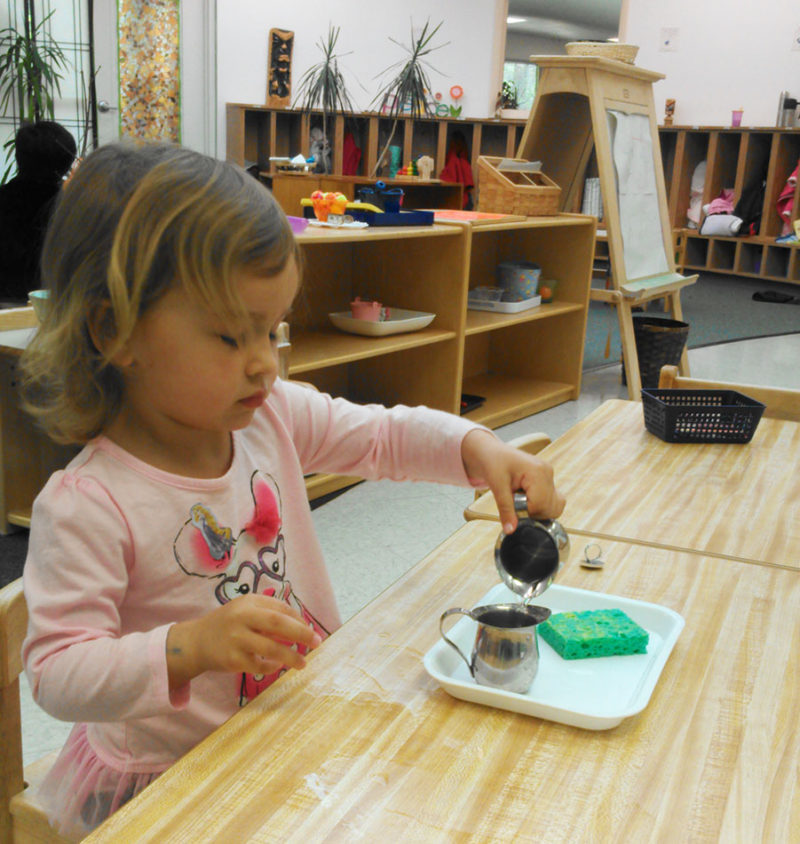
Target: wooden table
x=364 y=745
x=27 y=456
x=622 y=482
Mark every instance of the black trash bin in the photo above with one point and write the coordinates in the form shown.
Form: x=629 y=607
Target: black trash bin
x=659 y=342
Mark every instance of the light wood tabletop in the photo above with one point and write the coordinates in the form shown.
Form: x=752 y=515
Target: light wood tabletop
x=364 y=745
x=622 y=482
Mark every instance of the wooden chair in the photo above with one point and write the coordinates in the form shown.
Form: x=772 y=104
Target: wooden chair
x=21 y=820
x=780 y=403
x=529 y=443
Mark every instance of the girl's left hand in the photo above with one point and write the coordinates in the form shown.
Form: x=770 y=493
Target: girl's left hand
x=505 y=469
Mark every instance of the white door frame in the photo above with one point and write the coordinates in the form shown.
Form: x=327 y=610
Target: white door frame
x=198 y=69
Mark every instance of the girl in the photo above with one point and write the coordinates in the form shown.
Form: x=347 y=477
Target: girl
x=169 y=273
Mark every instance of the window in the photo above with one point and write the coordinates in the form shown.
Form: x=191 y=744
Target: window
x=523 y=75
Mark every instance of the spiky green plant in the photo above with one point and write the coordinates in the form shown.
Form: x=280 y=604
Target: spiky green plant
x=30 y=66
x=409 y=86
x=322 y=86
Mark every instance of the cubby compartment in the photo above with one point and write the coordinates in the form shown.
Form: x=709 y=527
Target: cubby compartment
x=692 y=149
x=526 y=361
x=723 y=160
x=749 y=258
x=359 y=129
x=722 y=255
x=424 y=140
x=292 y=132
x=776 y=261
x=494 y=139
x=785 y=156
x=668 y=142
x=794 y=264
x=521 y=368
x=391 y=132
x=754 y=161
x=695 y=252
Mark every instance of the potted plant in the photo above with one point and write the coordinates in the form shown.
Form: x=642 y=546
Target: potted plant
x=407 y=91
x=30 y=66
x=322 y=86
x=30 y=72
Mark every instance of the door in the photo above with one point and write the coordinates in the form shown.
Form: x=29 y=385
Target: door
x=106 y=57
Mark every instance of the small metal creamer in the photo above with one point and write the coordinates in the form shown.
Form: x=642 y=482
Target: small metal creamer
x=529 y=558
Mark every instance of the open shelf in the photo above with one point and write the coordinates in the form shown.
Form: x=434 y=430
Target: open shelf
x=510 y=397
x=478 y=321
x=319 y=349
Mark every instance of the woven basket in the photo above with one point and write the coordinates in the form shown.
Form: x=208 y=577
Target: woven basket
x=605 y=49
x=659 y=342
x=511 y=192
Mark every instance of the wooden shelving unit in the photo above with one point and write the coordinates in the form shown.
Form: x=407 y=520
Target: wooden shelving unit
x=735 y=157
x=526 y=362
x=521 y=363
x=255 y=133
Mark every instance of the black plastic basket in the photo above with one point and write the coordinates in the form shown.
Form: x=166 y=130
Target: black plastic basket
x=701 y=416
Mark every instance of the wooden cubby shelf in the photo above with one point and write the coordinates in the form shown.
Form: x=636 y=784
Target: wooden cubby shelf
x=735 y=158
x=256 y=133
x=520 y=363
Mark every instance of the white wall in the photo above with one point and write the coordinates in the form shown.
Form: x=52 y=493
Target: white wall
x=728 y=54
x=520 y=46
x=475 y=30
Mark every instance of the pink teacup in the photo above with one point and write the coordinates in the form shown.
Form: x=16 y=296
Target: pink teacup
x=365 y=309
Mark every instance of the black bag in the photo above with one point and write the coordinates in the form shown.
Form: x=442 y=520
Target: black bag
x=750 y=206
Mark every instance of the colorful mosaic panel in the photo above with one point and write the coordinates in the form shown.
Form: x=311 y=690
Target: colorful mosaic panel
x=149 y=69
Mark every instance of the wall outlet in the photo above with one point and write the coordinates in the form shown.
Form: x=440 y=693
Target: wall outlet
x=668 y=41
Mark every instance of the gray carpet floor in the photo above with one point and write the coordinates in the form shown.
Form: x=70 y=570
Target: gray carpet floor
x=717 y=308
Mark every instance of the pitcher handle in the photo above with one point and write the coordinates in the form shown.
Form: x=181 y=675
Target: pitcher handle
x=450 y=642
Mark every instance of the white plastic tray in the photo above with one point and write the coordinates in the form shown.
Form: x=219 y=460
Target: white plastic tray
x=596 y=693
x=503 y=307
x=399 y=320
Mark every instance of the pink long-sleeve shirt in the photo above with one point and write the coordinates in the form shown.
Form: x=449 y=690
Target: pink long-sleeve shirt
x=119 y=551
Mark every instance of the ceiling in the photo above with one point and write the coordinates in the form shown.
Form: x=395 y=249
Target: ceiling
x=568 y=20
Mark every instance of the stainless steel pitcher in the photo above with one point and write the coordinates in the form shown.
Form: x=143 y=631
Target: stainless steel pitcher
x=506 y=650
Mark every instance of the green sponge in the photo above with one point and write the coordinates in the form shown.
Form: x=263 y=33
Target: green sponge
x=577 y=635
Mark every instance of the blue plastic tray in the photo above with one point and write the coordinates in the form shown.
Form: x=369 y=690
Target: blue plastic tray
x=372 y=218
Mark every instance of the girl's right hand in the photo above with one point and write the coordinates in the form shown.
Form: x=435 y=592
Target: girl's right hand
x=253 y=634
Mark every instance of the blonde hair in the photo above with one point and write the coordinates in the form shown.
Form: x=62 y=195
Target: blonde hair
x=135 y=220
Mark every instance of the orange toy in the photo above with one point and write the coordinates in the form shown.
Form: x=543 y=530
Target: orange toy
x=327 y=203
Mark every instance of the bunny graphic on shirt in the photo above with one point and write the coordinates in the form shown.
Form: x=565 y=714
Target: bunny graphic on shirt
x=253 y=561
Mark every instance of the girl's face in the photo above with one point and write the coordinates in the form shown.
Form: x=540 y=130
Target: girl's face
x=191 y=377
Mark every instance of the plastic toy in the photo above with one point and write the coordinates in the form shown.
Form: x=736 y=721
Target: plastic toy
x=327 y=203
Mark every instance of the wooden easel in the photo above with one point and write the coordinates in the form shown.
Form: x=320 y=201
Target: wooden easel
x=569 y=118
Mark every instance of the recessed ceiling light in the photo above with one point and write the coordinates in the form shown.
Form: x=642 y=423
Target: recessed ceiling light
x=512 y=19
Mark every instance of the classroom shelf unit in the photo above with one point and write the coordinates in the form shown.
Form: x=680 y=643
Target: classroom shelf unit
x=735 y=158
x=256 y=133
x=520 y=363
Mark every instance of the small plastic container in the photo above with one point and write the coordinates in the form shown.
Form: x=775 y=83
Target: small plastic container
x=486 y=294
x=519 y=279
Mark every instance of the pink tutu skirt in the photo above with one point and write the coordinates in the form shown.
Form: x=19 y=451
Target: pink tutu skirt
x=81 y=791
